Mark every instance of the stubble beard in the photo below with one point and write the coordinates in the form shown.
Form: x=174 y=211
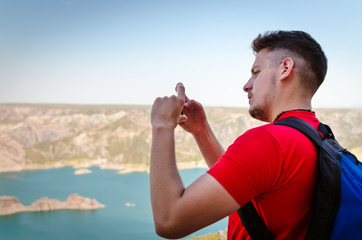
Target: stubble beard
x=261 y=111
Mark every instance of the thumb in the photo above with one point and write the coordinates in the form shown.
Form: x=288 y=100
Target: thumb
x=182 y=118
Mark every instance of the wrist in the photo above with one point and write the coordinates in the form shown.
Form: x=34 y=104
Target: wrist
x=203 y=131
x=163 y=128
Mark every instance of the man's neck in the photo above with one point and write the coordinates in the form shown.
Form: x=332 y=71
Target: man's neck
x=307 y=106
x=298 y=109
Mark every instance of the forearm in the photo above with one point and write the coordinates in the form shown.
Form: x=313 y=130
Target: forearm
x=209 y=146
x=165 y=182
x=179 y=211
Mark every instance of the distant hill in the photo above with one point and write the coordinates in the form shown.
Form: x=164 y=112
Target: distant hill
x=119 y=137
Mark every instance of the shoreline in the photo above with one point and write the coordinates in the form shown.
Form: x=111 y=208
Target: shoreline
x=81 y=169
x=82 y=166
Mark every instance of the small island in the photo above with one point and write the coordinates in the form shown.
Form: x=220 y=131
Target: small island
x=82 y=171
x=11 y=205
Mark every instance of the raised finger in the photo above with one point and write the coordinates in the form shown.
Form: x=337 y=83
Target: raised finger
x=180 y=89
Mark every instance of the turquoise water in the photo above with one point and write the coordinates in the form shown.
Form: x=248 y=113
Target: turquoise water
x=115 y=221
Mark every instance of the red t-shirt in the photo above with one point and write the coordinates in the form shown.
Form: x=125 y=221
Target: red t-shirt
x=275 y=167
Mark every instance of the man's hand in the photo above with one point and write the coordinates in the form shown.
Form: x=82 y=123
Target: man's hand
x=166 y=111
x=196 y=118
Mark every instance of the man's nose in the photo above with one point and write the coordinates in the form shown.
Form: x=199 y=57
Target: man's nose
x=248 y=85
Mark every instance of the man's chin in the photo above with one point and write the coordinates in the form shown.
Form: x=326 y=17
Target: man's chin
x=258 y=114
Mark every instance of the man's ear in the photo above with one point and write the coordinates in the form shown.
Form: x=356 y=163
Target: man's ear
x=286 y=68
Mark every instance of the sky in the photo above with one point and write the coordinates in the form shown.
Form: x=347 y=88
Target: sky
x=130 y=52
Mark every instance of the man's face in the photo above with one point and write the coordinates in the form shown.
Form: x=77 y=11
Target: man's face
x=261 y=86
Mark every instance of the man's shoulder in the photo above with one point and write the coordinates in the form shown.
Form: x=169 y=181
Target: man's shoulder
x=258 y=135
x=269 y=132
x=264 y=130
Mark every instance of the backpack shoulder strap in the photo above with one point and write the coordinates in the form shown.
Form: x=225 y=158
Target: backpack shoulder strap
x=307 y=129
x=253 y=223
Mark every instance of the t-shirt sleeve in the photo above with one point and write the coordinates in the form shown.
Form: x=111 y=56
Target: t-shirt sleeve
x=250 y=167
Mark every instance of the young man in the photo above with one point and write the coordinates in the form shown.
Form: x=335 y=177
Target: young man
x=273 y=166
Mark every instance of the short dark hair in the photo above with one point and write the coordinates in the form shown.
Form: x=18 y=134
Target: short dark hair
x=301 y=44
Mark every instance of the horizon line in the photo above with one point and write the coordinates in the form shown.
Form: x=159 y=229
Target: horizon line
x=145 y=105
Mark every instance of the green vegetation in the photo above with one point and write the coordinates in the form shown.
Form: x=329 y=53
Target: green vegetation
x=221 y=235
x=210 y=236
x=35 y=157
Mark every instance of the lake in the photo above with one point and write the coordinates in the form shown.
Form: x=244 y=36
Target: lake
x=127 y=214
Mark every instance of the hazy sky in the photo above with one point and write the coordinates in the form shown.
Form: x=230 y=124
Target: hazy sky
x=130 y=52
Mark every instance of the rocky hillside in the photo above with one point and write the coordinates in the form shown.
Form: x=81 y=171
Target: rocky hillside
x=119 y=137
